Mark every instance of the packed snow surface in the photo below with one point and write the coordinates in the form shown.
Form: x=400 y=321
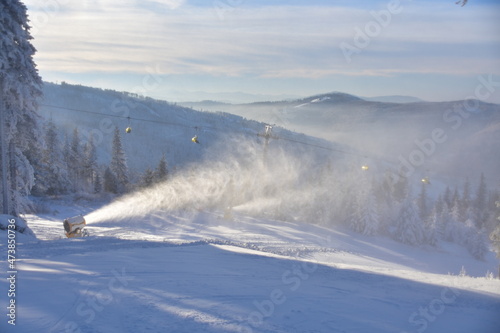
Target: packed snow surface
x=196 y=271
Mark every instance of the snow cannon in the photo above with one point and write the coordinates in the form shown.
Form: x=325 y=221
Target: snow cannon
x=75 y=227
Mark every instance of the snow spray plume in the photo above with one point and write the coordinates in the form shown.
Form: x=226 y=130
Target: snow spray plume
x=283 y=183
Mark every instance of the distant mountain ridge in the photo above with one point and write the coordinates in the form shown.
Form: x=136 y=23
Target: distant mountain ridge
x=403 y=133
x=394 y=131
x=393 y=99
x=337 y=95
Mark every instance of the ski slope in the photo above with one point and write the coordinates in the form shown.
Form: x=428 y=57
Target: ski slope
x=180 y=271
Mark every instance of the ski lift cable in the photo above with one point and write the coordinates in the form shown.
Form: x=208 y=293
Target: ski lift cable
x=122 y=116
x=353 y=153
x=197 y=128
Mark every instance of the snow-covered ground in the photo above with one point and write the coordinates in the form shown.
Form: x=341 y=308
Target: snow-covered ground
x=178 y=271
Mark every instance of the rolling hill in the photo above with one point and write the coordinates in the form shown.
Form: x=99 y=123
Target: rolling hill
x=158 y=127
x=401 y=133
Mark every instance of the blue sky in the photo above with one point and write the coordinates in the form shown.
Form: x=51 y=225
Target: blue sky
x=171 y=49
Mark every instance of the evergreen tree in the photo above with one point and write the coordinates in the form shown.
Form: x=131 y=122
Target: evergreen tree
x=387 y=205
x=447 y=197
x=445 y=221
x=439 y=205
x=66 y=154
x=147 y=178
x=400 y=189
x=478 y=245
x=431 y=225
x=98 y=183
x=453 y=231
x=348 y=207
x=21 y=176
x=465 y=200
x=74 y=160
x=90 y=168
x=161 y=173
x=455 y=197
x=366 y=219
x=494 y=211
x=409 y=229
x=110 y=181
x=119 y=162
x=52 y=173
x=20 y=86
x=364 y=216
x=481 y=203
x=474 y=240
x=495 y=234
x=456 y=211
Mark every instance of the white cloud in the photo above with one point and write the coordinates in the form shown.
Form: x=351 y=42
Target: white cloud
x=280 y=41
x=172 y=4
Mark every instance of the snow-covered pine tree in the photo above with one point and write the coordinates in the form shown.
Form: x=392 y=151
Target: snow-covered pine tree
x=66 y=152
x=98 y=182
x=447 y=197
x=439 y=205
x=74 y=159
x=465 y=201
x=20 y=86
x=365 y=217
x=495 y=234
x=52 y=174
x=21 y=177
x=147 y=178
x=474 y=240
x=456 y=211
x=480 y=204
x=453 y=230
x=161 y=172
x=387 y=206
x=110 y=181
x=431 y=225
x=119 y=162
x=494 y=211
x=348 y=207
x=444 y=220
x=409 y=228
x=369 y=214
x=400 y=188
x=479 y=246
x=90 y=167
x=455 y=196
